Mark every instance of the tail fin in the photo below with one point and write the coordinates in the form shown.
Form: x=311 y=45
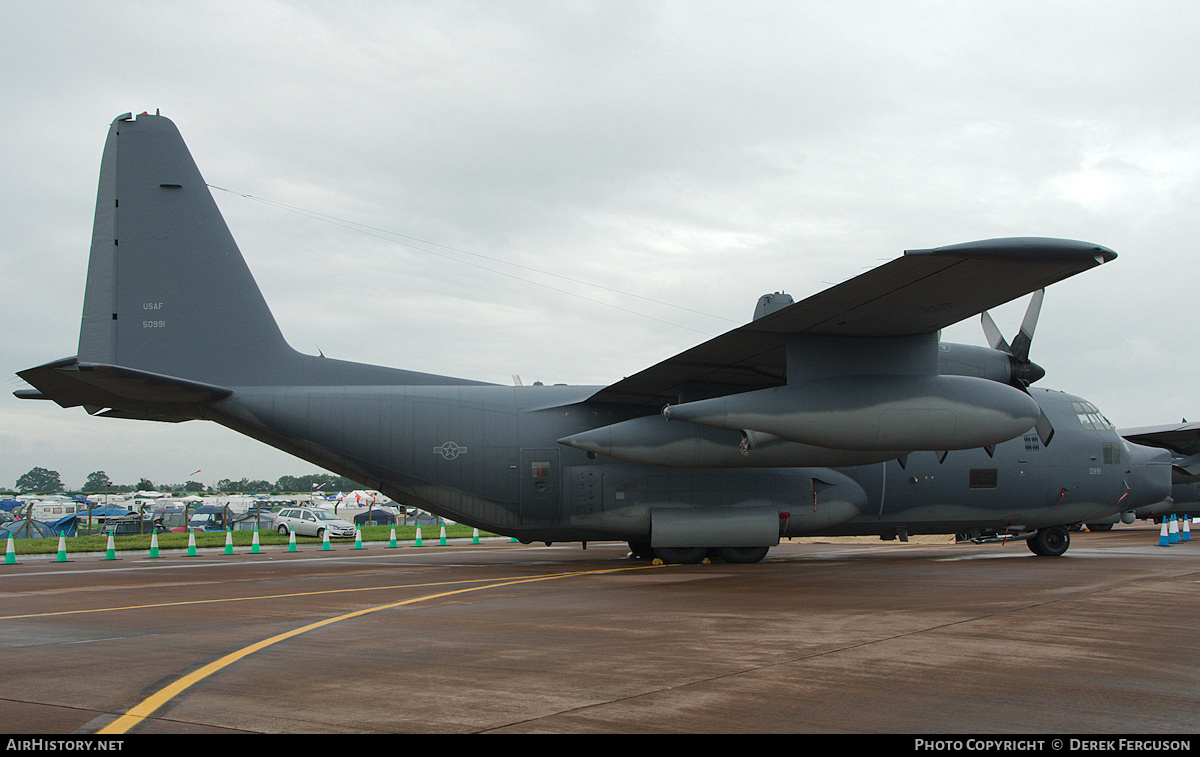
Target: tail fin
x=172 y=317
x=168 y=291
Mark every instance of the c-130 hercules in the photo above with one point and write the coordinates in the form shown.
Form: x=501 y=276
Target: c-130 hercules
x=829 y=416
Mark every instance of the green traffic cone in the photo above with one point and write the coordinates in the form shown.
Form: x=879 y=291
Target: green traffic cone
x=62 y=549
x=292 y=541
x=392 y=540
x=153 y=544
x=358 y=538
x=10 y=556
x=191 y=544
x=442 y=538
x=111 y=552
x=255 y=548
x=418 y=541
x=475 y=536
x=325 y=542
x=228 y=542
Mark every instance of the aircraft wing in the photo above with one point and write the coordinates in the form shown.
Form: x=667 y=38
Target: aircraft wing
x=919 y=293
x=1182 y=439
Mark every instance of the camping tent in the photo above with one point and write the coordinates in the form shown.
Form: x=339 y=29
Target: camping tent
x=27 y=529
x=359 y=498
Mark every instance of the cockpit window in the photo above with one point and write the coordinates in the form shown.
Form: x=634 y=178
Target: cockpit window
x=1090 y=416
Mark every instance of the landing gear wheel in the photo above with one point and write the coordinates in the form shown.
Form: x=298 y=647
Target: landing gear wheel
x=681 y=555
x=641 y=550
x=1050 y=542
x=742 y=554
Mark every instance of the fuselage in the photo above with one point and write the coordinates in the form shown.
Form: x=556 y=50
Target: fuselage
x=450 y=450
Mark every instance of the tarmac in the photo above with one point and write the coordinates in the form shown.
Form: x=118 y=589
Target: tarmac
x=848 y=636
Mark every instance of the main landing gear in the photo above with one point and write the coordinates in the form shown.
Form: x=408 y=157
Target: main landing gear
x=691 y=555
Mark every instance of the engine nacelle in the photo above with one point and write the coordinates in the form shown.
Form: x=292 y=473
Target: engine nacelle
x=875 y=413
x=985 y=362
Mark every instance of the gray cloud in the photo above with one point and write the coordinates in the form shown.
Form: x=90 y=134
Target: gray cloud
x=696 y=154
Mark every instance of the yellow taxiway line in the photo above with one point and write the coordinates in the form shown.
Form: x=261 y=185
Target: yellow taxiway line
x=150 y=704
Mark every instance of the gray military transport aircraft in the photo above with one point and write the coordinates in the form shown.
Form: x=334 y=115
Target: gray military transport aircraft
x=1182 y=440
x=839 y=414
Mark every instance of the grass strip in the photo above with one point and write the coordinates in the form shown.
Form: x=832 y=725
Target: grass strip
x=209 y=539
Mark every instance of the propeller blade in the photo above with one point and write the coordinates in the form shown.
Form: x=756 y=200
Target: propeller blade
x=1020 y=345
x=992 y=332
x=1045 y=429
x=1024 y=370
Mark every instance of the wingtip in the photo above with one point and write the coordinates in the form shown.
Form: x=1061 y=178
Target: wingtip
x=1040 y=248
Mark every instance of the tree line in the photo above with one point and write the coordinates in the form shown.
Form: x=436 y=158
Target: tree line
x=43 y=481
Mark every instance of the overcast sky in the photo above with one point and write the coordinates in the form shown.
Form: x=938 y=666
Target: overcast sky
x=573 y=191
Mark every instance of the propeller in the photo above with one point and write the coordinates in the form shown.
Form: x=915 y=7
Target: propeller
x=1022 y=370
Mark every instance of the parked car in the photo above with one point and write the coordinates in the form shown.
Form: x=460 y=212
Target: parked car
x=203 y=522
x=312 y=521
x=264 y=520
x=375 y=517
x=127 y=524
x=421 y=518
x=209 y=518
x=169 y=519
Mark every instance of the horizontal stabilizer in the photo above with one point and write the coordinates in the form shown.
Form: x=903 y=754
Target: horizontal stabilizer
x=116 y=391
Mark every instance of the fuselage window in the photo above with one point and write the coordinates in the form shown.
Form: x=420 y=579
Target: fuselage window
x=1112 y=454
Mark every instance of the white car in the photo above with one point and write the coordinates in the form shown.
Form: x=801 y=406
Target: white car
x=312 y=521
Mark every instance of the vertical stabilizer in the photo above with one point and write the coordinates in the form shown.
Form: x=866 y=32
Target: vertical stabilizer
x=167 y=289
x=172 y=317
